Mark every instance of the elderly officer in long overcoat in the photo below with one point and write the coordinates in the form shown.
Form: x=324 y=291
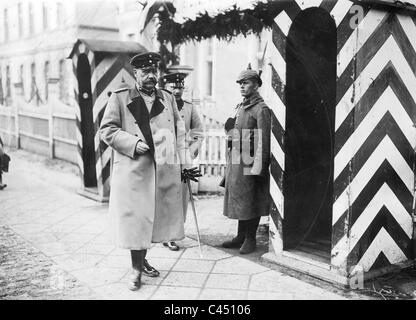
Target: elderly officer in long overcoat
x=193 y=128
x=248 y=158
x=143 y=126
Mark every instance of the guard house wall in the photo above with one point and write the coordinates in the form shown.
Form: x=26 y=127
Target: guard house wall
x=374 y=133
x=112 y=73
x=109 y=71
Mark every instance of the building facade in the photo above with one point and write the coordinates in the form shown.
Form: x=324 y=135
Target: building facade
x=216 y=63
x=36 y=77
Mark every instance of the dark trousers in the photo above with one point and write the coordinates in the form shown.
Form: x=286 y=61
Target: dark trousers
x=248 y=228
x=137 y=259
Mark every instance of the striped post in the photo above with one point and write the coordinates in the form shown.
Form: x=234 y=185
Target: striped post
x=106 y=76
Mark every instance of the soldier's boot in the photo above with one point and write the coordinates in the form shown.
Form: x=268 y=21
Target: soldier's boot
x=238 y=240
x=137 y=261
x=250 y=244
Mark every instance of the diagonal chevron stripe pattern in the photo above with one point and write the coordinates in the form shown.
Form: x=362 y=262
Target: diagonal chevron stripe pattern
x=82 y=49
x=375 y=135
x=113 y=73
x=107 y=74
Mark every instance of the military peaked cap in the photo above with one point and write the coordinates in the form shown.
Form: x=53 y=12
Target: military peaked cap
x=177 y=78
x=147 y=59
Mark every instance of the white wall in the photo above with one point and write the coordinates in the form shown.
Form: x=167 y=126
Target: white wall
x=229 y=59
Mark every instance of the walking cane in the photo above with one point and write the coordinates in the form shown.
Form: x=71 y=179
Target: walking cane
x=195 y=218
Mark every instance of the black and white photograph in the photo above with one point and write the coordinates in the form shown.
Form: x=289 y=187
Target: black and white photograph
x=222 y=151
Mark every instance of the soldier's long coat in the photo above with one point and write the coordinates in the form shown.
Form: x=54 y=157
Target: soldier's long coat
x=247 y=182
x=146 y=192
x=194 y=137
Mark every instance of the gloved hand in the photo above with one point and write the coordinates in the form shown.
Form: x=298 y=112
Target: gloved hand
x=190 y=174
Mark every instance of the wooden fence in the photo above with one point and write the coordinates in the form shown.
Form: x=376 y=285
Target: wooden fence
x=52 y=134
x=212 y=156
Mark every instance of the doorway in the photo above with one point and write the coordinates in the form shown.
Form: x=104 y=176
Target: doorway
x=87 y=122
x=309 y=136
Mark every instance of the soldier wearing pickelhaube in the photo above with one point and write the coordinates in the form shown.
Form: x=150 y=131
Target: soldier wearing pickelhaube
x=175 y=82
x=247 y=174
x=144 y=128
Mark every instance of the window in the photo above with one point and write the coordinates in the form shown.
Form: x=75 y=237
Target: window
x=8 y=86
x=31 y=19
x=209 y=73
x=6 y=24
x=46 y=77
x=209 y=79
x=259 y=53
x=20 y=13
x=209 y=42
x=33 y=71
x=21 y=77
x=62 y=81
x=1 y=88
x=32 y=80
x=261 y=50
x=60 y=18
x=45 y=16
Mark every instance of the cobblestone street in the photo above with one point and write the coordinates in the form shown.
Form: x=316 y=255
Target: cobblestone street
x=27 y=273
x=56 y=244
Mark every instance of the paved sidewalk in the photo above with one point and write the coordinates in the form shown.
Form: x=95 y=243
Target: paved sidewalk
x=65 y=244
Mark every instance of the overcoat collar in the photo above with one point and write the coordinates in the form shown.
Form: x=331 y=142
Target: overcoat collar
x=134 y=93
x=157 y=107
x=138 y=109
x=252 y=101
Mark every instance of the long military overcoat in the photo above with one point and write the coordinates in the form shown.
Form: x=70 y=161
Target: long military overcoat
x=247 y=178
x=146 y=192
x=194 y=137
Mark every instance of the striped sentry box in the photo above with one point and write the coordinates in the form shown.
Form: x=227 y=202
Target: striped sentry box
x=110 y=70
x=374 y=133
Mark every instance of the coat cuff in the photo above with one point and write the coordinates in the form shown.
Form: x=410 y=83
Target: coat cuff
x=126 y=143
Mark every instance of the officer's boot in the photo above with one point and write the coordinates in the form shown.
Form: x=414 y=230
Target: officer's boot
x=237 y=241
x=249 y=244
x=137 y=261
x=148 y=270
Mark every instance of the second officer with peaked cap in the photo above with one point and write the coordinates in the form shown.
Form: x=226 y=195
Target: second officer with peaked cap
x=146 y=205
x=193 y=127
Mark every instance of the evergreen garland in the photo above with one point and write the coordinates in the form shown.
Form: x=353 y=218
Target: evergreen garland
x=223 y=26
